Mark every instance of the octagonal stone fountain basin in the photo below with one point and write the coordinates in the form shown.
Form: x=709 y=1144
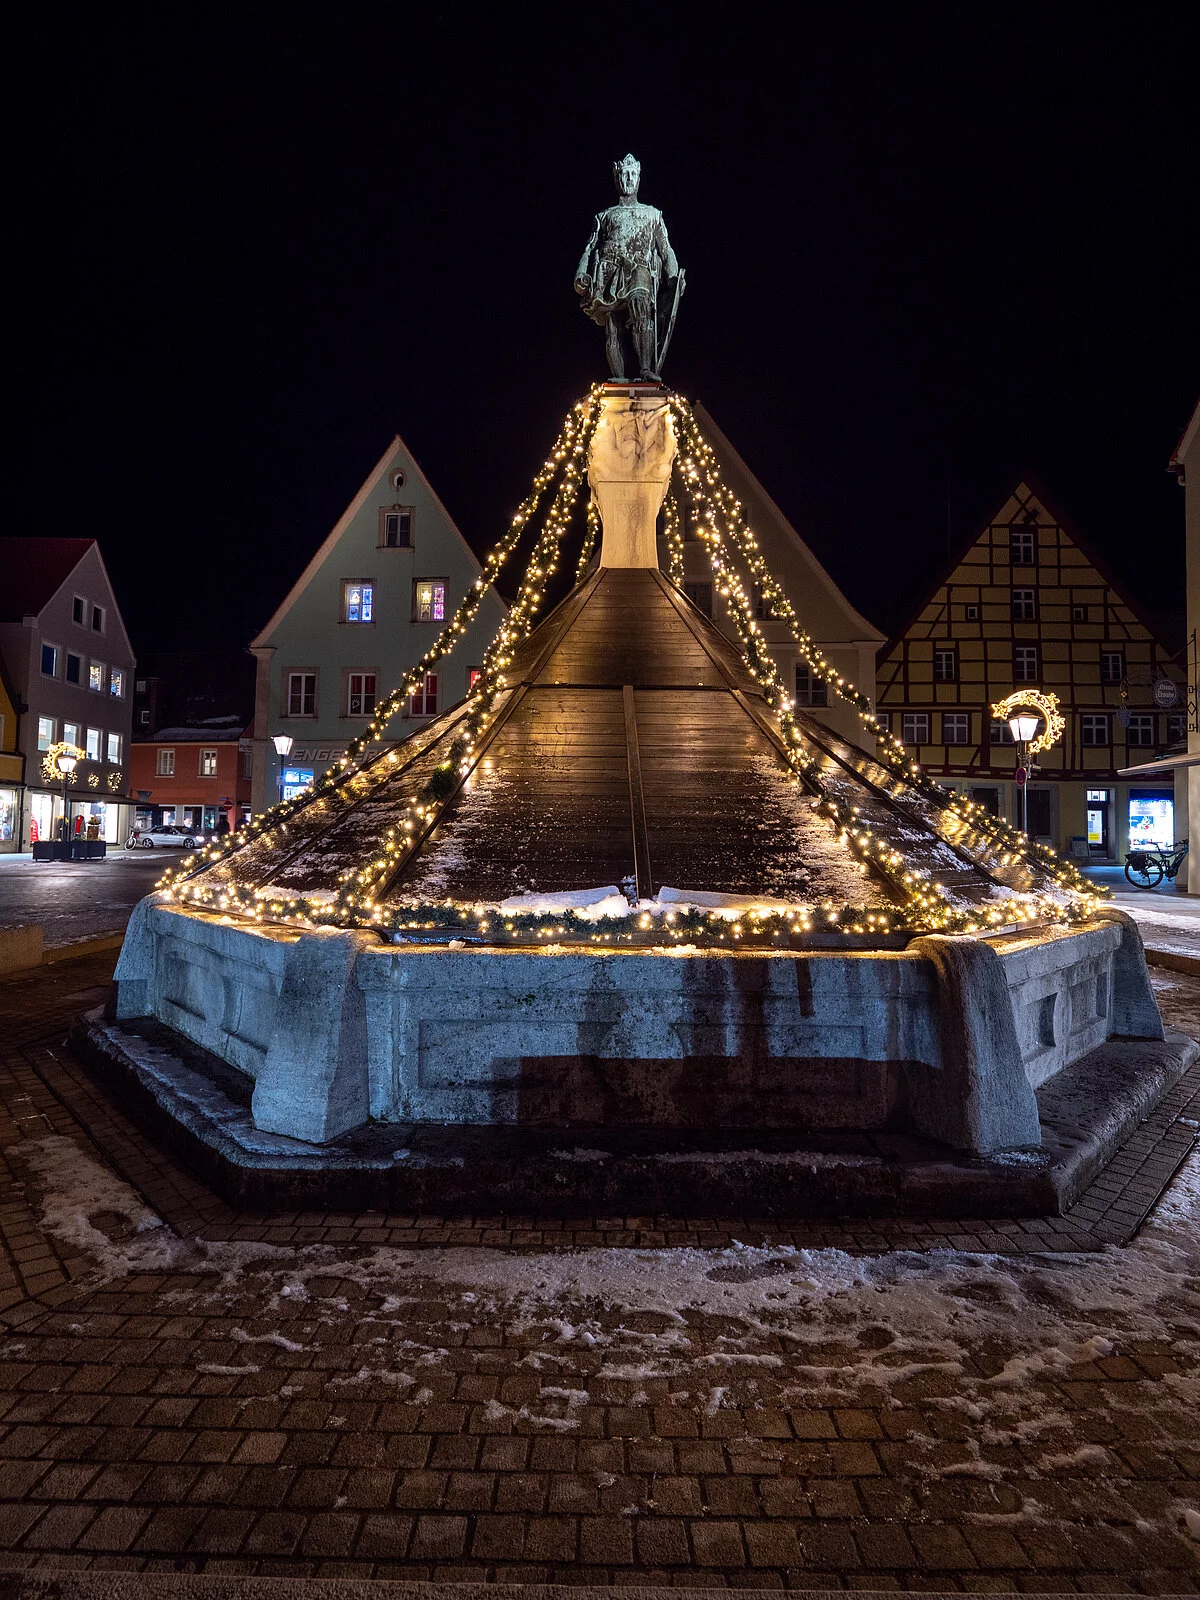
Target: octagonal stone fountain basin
x=948 y=1038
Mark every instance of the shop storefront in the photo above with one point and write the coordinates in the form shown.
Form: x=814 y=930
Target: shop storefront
x=10 y=818
x=87 y=818
x=1151 y=817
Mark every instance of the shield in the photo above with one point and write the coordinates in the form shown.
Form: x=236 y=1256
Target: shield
x=667 y=310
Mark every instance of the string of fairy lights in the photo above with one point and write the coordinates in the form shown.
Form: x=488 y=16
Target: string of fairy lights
x=719 y=521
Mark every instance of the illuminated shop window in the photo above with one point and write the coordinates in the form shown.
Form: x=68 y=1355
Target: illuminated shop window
x=429 y=600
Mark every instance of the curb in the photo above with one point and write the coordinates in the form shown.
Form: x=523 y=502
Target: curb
x=1173 y=959
x=95 y=944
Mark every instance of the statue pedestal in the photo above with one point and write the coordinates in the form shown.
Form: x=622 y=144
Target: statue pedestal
x=629 y=468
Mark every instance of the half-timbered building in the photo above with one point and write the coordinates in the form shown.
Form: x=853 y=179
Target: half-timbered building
x=1029 y=605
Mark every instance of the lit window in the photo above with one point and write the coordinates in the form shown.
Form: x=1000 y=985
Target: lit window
x=945 y=664
x=302 y=694
x=1112 y=666
x=97 y=619
x=358 y=602
x=1025 y=663
x=71 y=733
x=93 y=743
x=360 y=694
x=1140 y=730
x=971 y=612
x=74 y=668
x=810 y=690
x=49 y=661
x=78 y=610
x=473 y=676
x=1023 y=605
x=1094 y=730
x=429 y=600
x=45 y=732
x=916 y=727
x=1000 y=733
x=396 y=528
x=956 y=727
x=1022 y=543
x=116 y=683
x=208 y=763
x=96 y=676
x=166 y=764
x=700 y=594
x=424 y=703
x=114 y=749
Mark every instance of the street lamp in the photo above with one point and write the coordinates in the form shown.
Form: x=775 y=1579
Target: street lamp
x=66 y=765
x=283 y=748
x=1024 y=725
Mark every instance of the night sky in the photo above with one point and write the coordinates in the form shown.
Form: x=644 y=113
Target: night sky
x=928 y=248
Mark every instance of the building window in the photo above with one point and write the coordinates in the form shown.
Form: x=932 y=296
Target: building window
x=45 y=732
x=358 y=602
x=1112 y=666
x=1024 y=607
x=166 y=764
x=945 y=664
x=884 y=719
x=143 y=719
x=92 y=744
x=1022 y=544
x=1078 y=613
x=208 y=763
x=302 y=694
x=114 y=749
x=1176 y=726
x=360 y=694
x=700 y=594
x=762 y=610
x=1140 y=730
x=1000 y=732
x=429 y=600
x=916 y=727
x=247 y=763
x=79 y=610
x=49 y=661
x=1094 y=730
x=96 y=676
x=71 y=733
x=956 y=727
x=473 y=676
x=396 y=528
x=810 y=690
x=116 y=683
x=971 y=612
x=97 y=619
x=989 y=799
x=424 y=703
x=74 y=668
x=1025 y=663
x=139 y=686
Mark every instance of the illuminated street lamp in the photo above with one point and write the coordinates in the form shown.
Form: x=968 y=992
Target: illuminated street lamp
x=1024 y=725
x=283 y=748
x=66 y=764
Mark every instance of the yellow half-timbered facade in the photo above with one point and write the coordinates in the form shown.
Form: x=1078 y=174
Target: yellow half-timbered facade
x=1027 y=606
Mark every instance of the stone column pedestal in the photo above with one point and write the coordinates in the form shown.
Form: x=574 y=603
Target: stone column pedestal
x=629 y=468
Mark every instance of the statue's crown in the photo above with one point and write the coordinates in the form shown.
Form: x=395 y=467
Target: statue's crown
x=626 y=161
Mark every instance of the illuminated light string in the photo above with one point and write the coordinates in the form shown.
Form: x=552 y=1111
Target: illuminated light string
x=716 y=513
x=673 y=529
x=716 y=506
x=353 y=903
x=348 y=767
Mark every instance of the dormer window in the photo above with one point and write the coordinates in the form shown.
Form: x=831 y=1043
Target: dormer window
x=396 y=528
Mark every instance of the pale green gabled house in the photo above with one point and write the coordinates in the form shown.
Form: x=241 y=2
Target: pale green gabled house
x=363 y=612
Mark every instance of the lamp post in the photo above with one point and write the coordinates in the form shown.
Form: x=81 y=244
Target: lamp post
x=1024 y=725
x=283 y=748
x=66 y=765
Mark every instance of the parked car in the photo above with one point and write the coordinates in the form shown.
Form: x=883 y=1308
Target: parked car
x=165 y=836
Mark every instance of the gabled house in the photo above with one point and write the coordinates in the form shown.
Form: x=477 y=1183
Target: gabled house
x=1028 y=605
x=370 y=602
x=847 y=639
x=70 y=665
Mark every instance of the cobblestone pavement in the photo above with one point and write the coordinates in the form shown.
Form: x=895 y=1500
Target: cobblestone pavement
x=78 y=899
x=614 y=1400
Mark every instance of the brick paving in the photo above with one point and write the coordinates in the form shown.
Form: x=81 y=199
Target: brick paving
x=229 y=1405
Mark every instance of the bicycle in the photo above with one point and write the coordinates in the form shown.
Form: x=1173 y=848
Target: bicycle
x=1147 y=868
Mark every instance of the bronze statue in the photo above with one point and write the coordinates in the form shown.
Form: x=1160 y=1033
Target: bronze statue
x=628 y=277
